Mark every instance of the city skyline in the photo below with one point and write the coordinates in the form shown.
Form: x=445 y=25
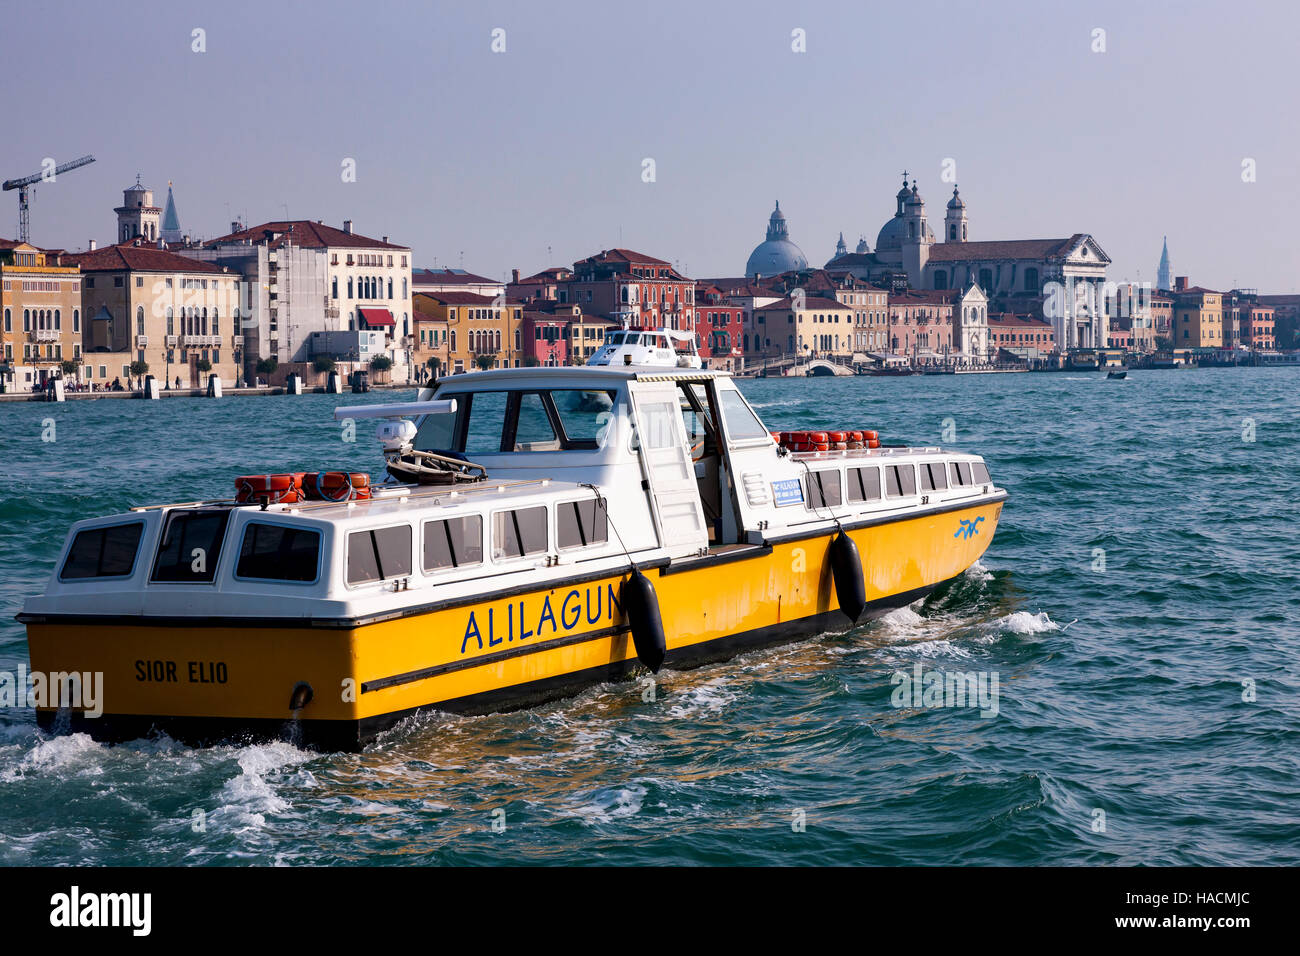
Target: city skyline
x=497 y=156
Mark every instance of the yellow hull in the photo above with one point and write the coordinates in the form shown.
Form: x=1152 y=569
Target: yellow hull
x=210 y=680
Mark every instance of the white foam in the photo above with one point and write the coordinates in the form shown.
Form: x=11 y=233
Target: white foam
x=610 y=803
x=1022 y=622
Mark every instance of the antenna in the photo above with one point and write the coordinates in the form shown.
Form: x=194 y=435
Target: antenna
x=24 y=183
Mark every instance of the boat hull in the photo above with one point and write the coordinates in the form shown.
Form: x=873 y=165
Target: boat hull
x=499 y=651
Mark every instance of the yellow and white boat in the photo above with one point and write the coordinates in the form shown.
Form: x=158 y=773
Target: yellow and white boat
x=590 y=522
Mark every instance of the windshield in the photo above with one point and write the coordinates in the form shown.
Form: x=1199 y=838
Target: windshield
x=520 y=420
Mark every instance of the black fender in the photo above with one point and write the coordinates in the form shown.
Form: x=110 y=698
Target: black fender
x=850 y=585
x=641 y=610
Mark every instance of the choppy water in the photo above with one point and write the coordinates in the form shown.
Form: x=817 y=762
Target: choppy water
x=1121 y=691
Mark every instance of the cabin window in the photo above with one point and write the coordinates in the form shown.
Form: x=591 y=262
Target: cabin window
x=490 y=423
x=191 y=546
x=933 y=476
x=580 y=524
x=979 y=472
x=742 y=424
x=864 y=484
x=379 y=553
x=519 y=532
x=533 y=431
x=276 y=552
x=103 y=552
x=960 y=472
x=823 y=489
x=453 y=543
x=900 y=481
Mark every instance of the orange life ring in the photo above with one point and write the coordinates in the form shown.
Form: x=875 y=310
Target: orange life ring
x=336 y=486
x=272 y=489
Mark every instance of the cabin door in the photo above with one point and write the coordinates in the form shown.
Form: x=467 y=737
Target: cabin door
x=667 y=467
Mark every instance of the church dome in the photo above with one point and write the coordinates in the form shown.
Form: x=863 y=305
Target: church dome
x=956 y=202
x=892 y=234
x=776 y=254
x=862 y=248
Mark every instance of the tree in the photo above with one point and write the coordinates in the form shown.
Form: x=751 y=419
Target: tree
x=139 y=368
x=323 y=363
x=204 y=365
x=531 y=361
x=267 y=366
x=69 y=368
x=484 y=361
x=434 y=364
x=1163 y=343
x=381 y=363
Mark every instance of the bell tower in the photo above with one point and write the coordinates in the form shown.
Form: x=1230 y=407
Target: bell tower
x=137 y=216
x=955 y=223
x=917 y=237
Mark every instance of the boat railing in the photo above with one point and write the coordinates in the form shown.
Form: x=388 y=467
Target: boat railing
x=378 y=493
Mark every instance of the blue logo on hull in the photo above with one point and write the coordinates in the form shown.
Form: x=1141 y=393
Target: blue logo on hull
x=968 y=528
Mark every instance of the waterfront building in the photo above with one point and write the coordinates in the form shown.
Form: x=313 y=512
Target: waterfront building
x=179 y=315
x=138 y=217
x=1286 y=319
x=1198 y=317
x=776 y=253
x=632 y=289
x=1027 y=338
x=1131 y=323
x=41 y=305
x=586 y=332
x=306 y=276
x=921 y=327
x=455 y=280
x=546 y=338
x=972 y=337
x=720 y=328
x=477 y=327
x=1248 y=323
x=804 y=326
x=431 y=333
x=542 y=286
x=1162 y=316
x=748 y=295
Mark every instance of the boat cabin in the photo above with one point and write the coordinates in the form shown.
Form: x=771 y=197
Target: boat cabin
x=586 y=468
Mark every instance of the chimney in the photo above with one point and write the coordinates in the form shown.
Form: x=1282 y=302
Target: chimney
x=514 y=274
x=384 y=240
x=92 y=245
x=347 y=226
x=1180 y=284
x=236 y=226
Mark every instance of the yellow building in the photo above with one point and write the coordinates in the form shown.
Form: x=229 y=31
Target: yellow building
x=1197 y=317
x=178 y=315
x=40 y=302
x=481 y=330
x=430 y=333
x=805 y=325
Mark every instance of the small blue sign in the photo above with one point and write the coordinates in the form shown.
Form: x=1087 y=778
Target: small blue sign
x=788 y=491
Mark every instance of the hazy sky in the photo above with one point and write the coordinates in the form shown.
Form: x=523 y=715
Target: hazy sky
x=500 y=156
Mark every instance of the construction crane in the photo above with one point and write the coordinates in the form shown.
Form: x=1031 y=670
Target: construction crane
x=26 y=182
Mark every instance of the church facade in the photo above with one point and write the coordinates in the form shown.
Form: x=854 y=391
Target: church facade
x=1060 y=279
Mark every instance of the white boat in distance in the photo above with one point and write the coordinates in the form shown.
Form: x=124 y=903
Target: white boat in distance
x=648 y=347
